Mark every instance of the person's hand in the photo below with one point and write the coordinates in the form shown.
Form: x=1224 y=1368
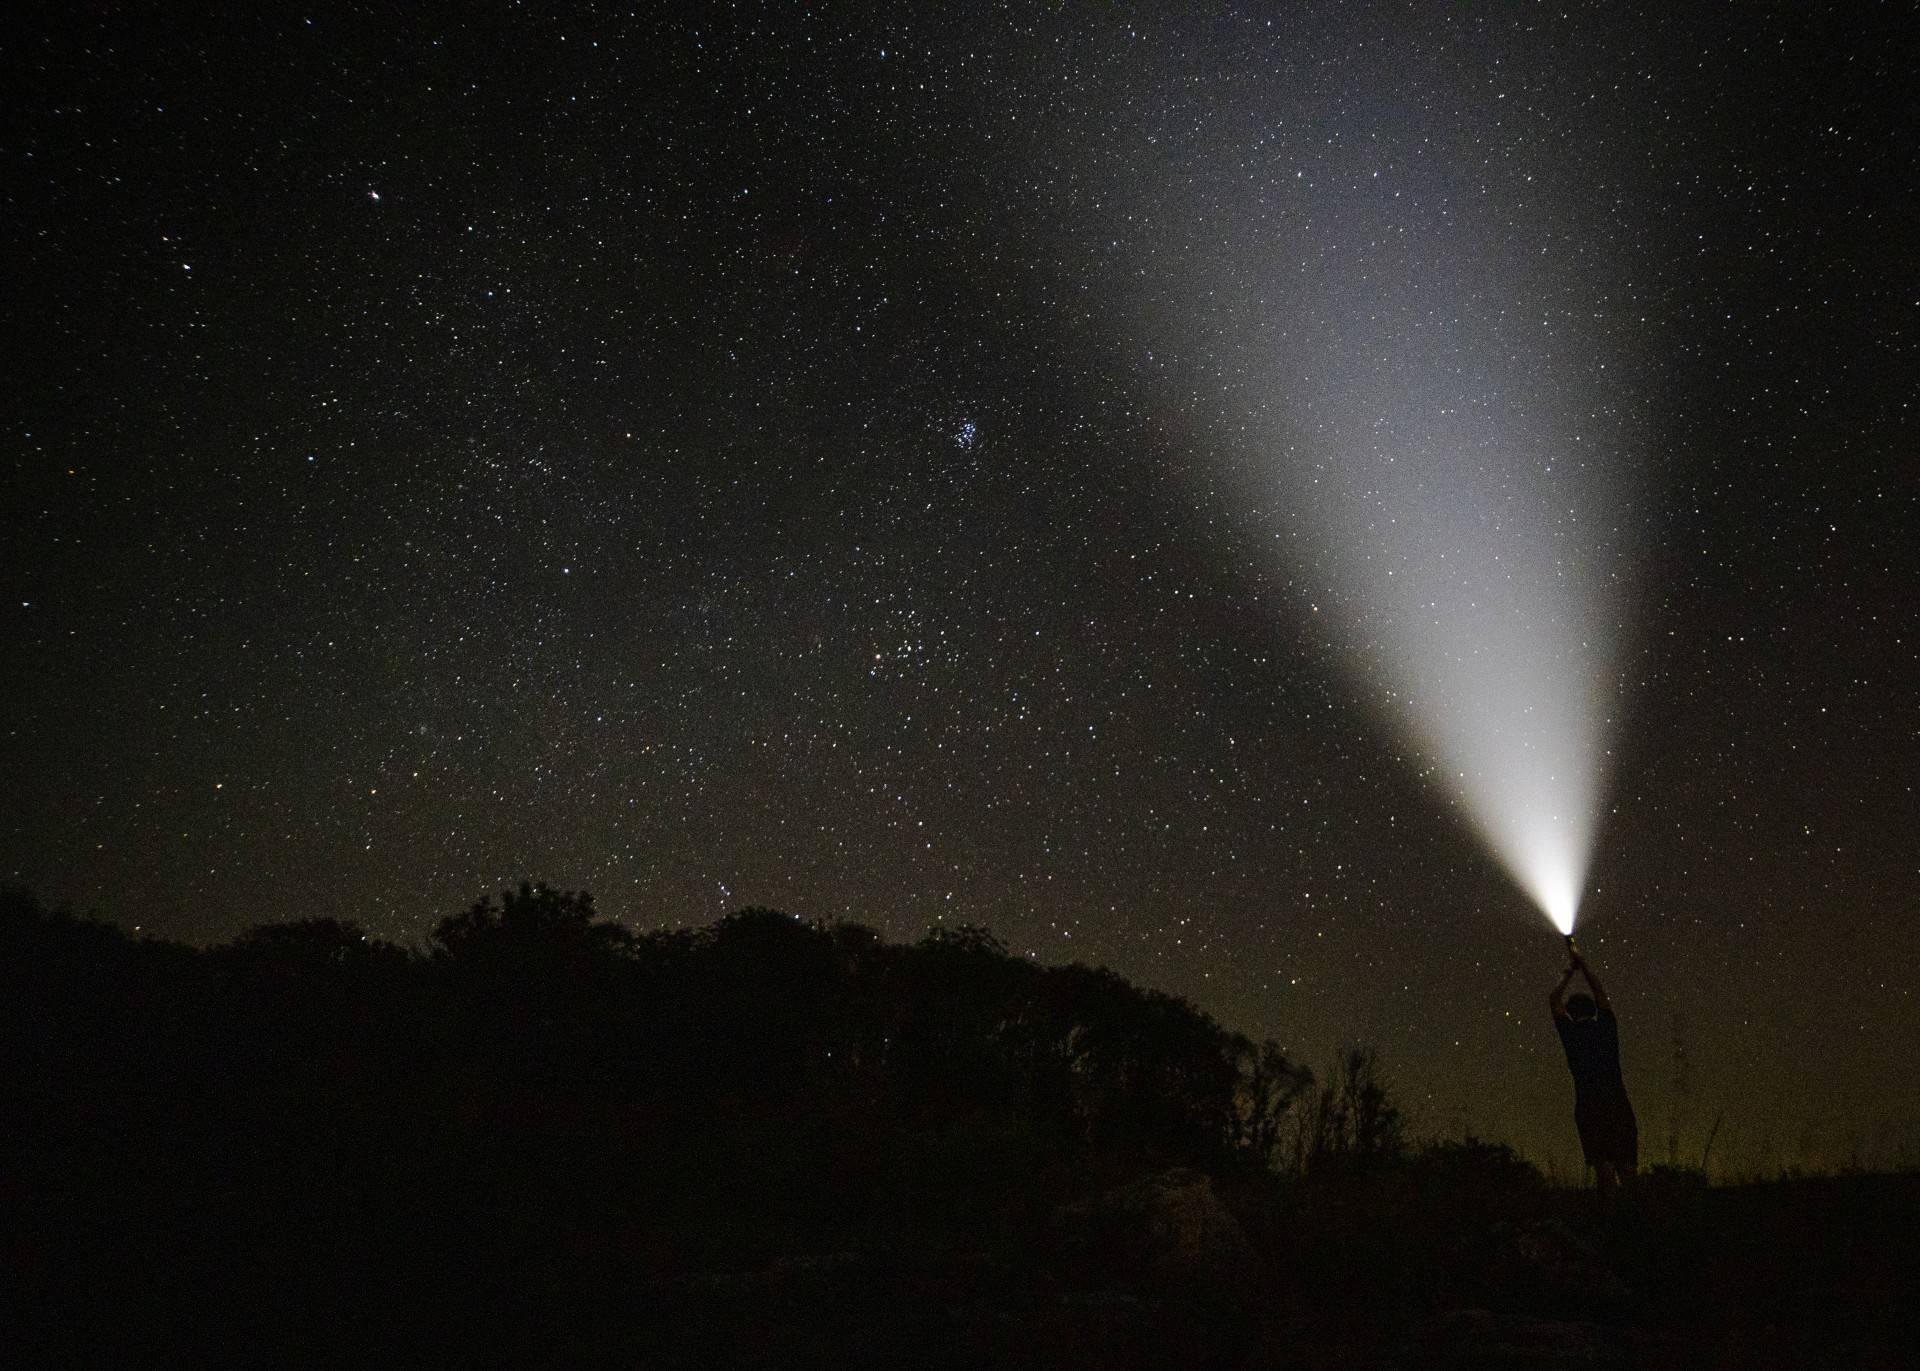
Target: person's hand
x=1579 y=963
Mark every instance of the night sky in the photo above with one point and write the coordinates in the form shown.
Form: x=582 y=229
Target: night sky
x=894 y=468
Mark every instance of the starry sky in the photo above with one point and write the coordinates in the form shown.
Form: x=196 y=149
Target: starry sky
x=921 y=467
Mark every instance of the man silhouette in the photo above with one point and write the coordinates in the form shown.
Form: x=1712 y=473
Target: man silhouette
x=1609 y=1135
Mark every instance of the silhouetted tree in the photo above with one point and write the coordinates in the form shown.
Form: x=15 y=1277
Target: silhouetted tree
x=1351 y=1118
x=1269 y=1086
x=534 y=920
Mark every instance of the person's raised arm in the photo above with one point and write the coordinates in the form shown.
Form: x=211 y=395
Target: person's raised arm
x=1593 y=984
x=1557 y=1001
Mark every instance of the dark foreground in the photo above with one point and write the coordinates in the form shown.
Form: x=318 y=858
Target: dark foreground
x=1166 y=1273
x=543 y=1140
x=1790 y=1274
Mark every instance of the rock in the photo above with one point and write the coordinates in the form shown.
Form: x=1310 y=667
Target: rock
x=1479 y=1340
x=1550 y=1267
x=1168 y=1225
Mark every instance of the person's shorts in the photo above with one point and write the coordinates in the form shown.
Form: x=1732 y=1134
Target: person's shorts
x=1608 y=1132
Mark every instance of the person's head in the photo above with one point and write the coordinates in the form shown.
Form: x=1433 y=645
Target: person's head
x=1581 y=1006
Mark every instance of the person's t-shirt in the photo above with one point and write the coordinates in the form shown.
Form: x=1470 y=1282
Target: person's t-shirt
x=1593 y=1051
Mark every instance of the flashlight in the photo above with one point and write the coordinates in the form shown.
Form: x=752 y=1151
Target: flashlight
x=1572 y=951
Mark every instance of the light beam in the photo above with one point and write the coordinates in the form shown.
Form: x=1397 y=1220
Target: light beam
x=1422 y=368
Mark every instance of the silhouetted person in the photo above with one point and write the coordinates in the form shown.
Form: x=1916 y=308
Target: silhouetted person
x=1608 y=1133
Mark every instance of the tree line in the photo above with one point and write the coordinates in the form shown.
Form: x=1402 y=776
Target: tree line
x=540 y=1090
